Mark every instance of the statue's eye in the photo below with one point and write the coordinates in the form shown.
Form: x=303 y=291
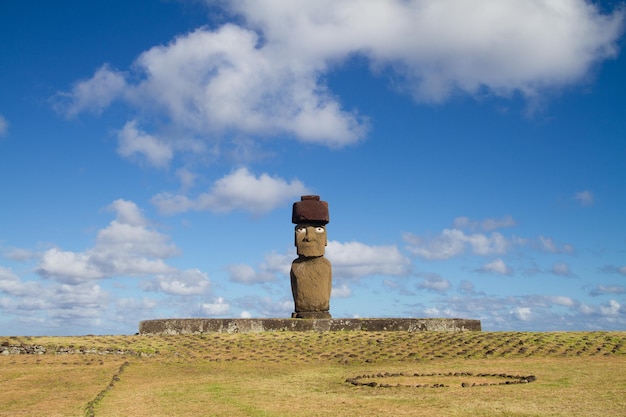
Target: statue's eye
x=300 y=230
x=319 y=230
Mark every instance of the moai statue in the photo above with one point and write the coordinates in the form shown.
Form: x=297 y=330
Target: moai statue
x=311 y=273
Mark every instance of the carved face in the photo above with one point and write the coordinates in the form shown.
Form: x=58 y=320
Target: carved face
x=310 y=239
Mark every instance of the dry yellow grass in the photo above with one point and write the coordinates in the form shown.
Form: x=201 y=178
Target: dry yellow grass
x=51 y=385
x=564 y=387
x=304 y=374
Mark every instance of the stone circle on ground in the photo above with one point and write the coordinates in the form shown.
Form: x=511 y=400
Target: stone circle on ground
x=368 y=380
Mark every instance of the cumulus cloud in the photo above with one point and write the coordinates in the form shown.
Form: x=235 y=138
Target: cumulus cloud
x=354 y=260
x=584 y=198
x=239 y=190
x=265 y=75
x=485 y=225
x=212 y=82
x=562 y=269
x=522 y=313
x=52 y=305
x=434 y=282
x=343 y=291
x=547 y=244
x=612 y=308
x=528 y=312
x=9 y=282
x=218 y=307
x=4 y=125
x=95 y=94
x=245 y=274
x=128 y=246
x=561 y=300
x=188 y=282
x=132 y=142
x=19 y=254
x=454 y=242
x=68 y=267
x=443 y=46
x=497 y=267
x=607 y=289
x=273 y=265
x=467 y=287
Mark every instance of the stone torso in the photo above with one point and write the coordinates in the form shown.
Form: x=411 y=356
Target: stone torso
x=311 y=283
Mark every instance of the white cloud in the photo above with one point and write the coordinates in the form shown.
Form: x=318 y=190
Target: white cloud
x=266 y=75
x=208 y=82
x=217 y=308
x=132 y=142
x=127 y=212
x=547 y=244
x=68 y=267
x=52 y=304
x=434 y=282
x=4 y=125
x=128 y=246
x=266 y=306
x=273 y=264
x=584 y=198
x=239 y=190
x=561 y=269
x=188 y=282
x=186 y=177
x=562 y=300
x=613 y=308
x=9 y=282
x=343 y=291
x=607 y=289
x=454 y=242
x=245 y=274
x=485 y=225
x=95 y=94
x=440 y=46
x=448 y=244
x=276 y=263
x=242 y=273
x=523 y=313
x=354 y=260
x=497 y=267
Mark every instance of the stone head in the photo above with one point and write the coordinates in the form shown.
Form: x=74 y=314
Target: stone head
x=310 y=239
x=310 y=216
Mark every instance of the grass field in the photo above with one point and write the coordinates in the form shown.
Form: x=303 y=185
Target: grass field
x=311 y=374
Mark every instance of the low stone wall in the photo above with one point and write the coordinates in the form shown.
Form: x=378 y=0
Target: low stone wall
x=197 y=326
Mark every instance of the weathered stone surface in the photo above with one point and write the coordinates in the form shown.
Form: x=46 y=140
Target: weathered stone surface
x=310 y=209
x=311 y=315
x=311 y=284
x=197 y=326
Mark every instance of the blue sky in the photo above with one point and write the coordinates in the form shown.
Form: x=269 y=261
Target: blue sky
x=473 y=157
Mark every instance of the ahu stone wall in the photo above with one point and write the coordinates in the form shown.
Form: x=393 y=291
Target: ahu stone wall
x=199 y=325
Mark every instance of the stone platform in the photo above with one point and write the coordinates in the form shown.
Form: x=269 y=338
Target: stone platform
x=198 y=326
